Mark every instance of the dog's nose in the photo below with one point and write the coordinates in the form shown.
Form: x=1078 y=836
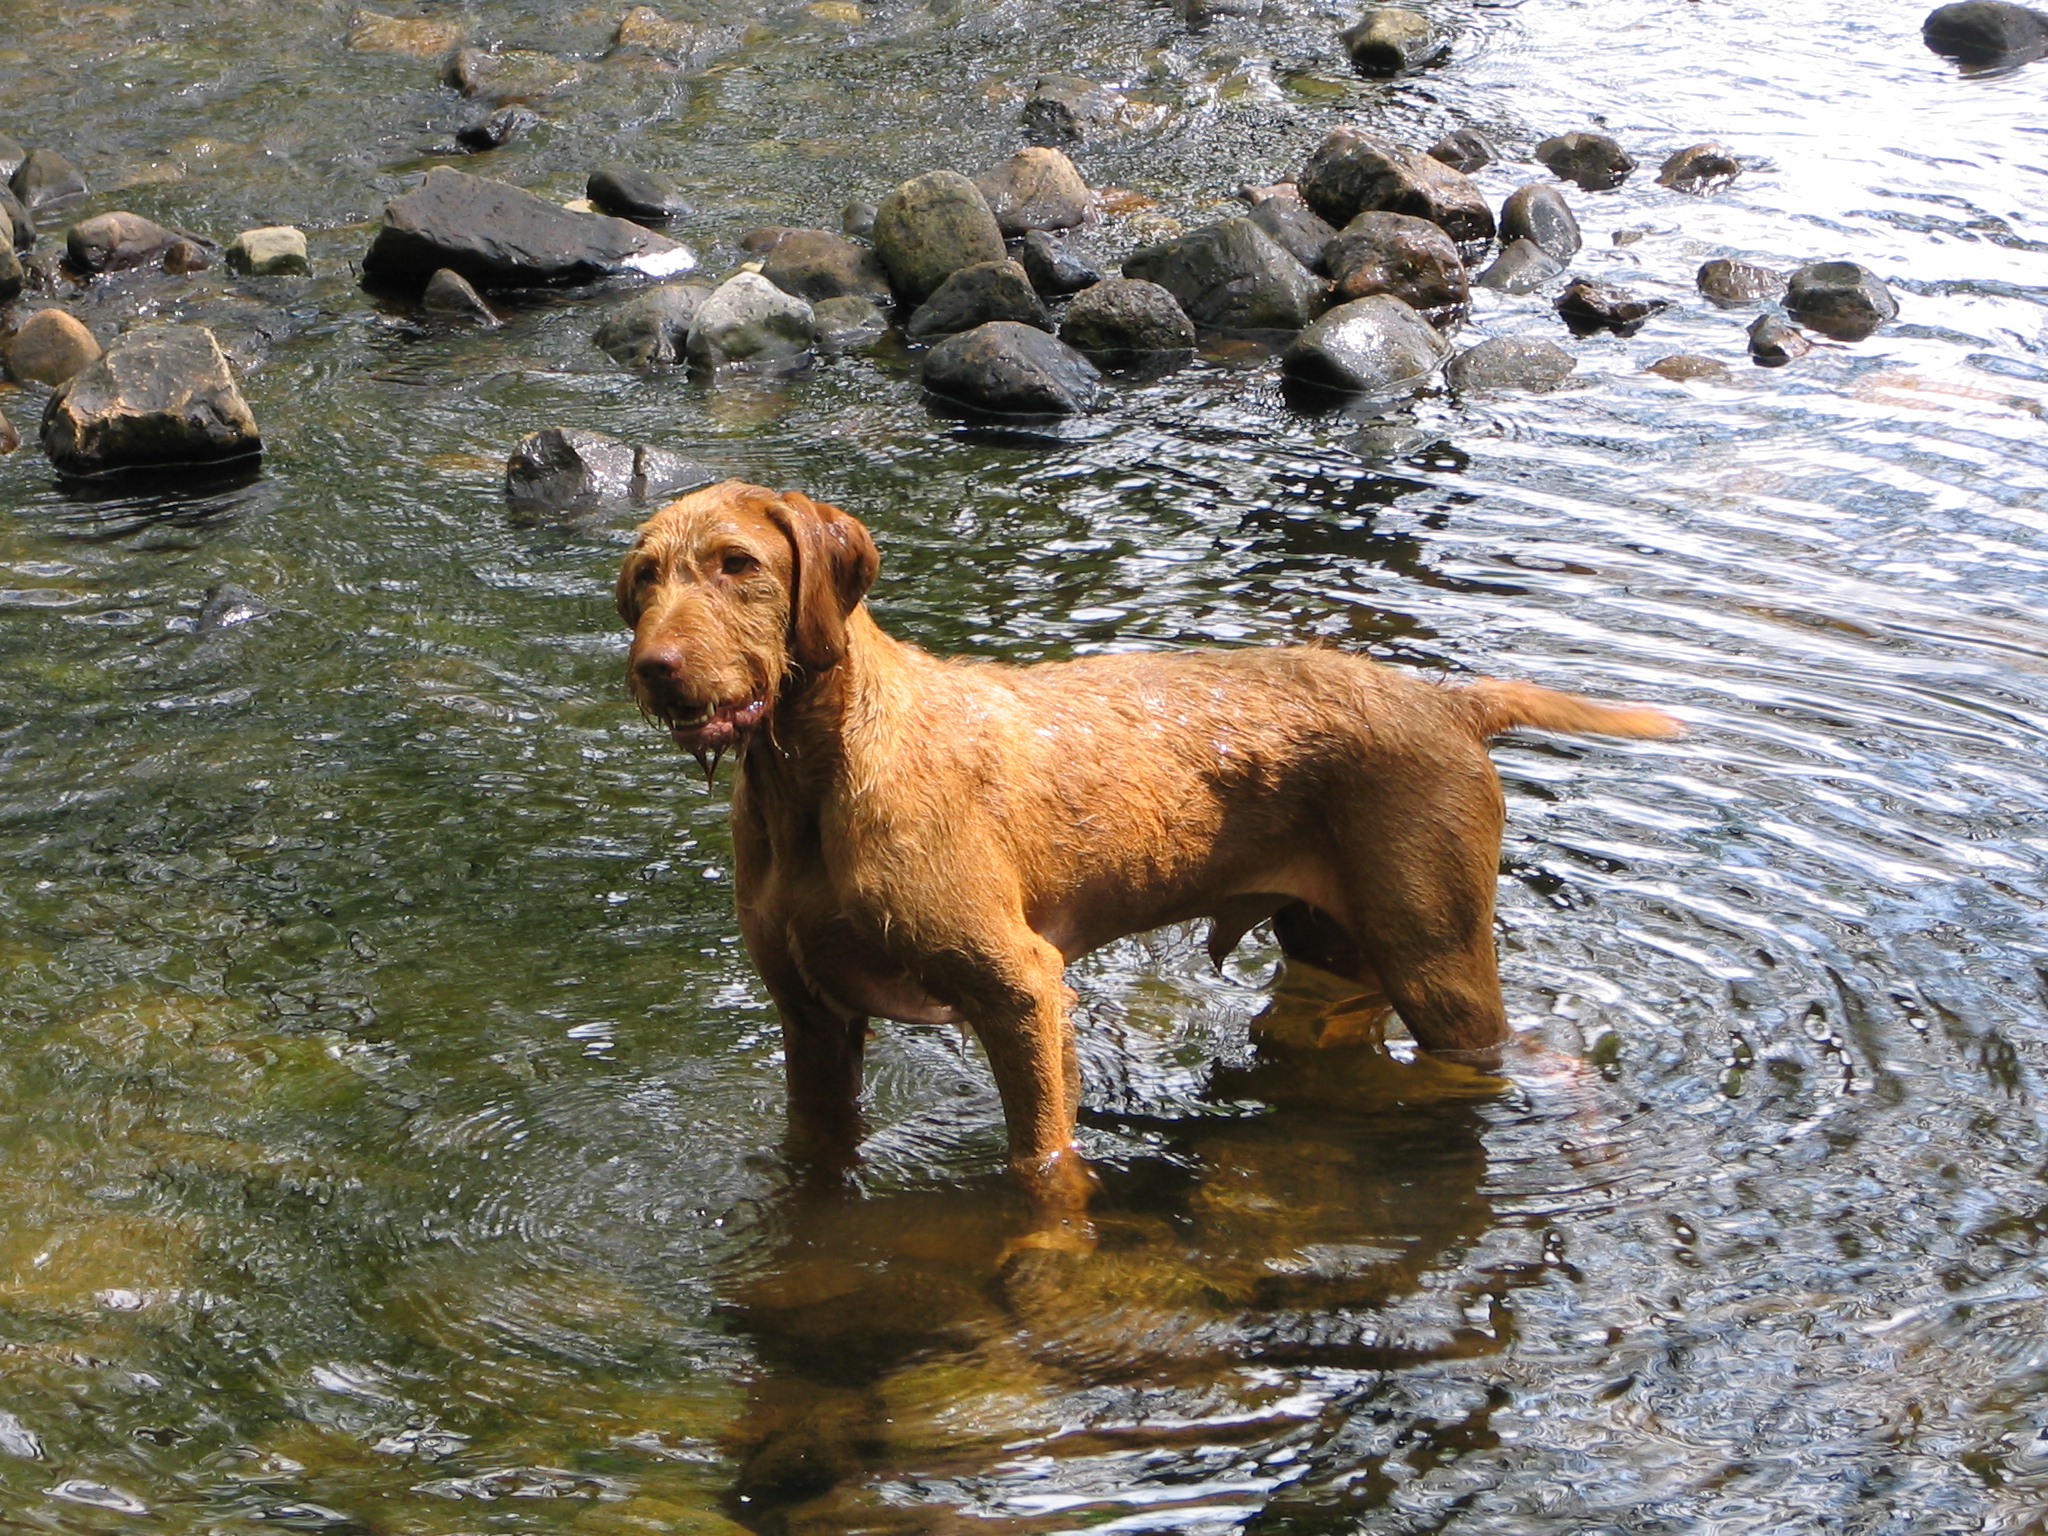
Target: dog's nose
x=658 y=665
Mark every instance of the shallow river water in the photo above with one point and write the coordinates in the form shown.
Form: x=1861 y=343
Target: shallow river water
x=389 y=1117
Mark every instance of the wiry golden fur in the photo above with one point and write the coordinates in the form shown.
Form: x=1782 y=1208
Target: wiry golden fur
x=925 y=838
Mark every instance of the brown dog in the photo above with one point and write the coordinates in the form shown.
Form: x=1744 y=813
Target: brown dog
x=928 y=839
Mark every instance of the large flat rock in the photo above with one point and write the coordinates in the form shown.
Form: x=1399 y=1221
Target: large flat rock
x=162 y=396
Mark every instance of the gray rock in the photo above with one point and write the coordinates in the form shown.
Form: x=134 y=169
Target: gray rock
x=1731 y=284
x=115 y=242
x=276 y=251
x=23 y=222
x=748 y=320
x=517 y=74
x=1682 y=367
x=1589 y=306
x=759 y=242
x=1126 y=322
x=1354 y=172
x=930 y=227
x=411 y=37
x=1510 y=362
x=1012 y=370
x=1392 y=41
x=816 y=264
x=500 y=236
x=1464 y=149
x=449 y=295
x=1373 y=346
x=1295 y=227
x=1523 y=266
x=1985 y=33
x=46 y=177
x=1593 y=160
x=1539 y=212
x=162 y=396
x=51 y=346
x=1699 y=168
x=848 y=324
x=1773 y=343
x=645 y=32
x=495 y=129
x=1410 y=258
x=857 y=220
x=1063 y=110
x=652 y=328
x=227 y=606
x=1035 y=188
x=1839 y=299
x=976 y=295
x=11 y=156
x=627 y=192
x=1053 y=268
x=566 y=468
x=9 y=438
x=1233 y=276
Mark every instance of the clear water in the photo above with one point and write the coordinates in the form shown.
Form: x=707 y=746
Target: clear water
x=388 y=1116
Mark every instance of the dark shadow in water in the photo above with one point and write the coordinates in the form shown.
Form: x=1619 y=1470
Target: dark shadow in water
x=120 y=506
x=898 y=1342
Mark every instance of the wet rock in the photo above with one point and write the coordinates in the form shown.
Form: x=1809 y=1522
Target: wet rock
x=500 y=236
x=1233 y=276
x=1063 y=110
x=227 y=605
x=1410 y=258
x=564 y=468
x=652 y=328
x=1464 y=149
x=450 y=296
x=1731 y=283
x=857 y=221
x=183 y=257
x=1054 y=269
x=496 y=129
x=1392 y=41
x=1980 y=33
x=1539 y=212
x=115 y=242
x=1125 y=322
x=1295 y=227
x=930 y=227
x=20 y=218
x=627 y=192
x=976 y=295
x=759 y=242
x=413 y=37
x=9 y=438
x=1588 y=306
x=1699 y=168
x=161 y=396
x=51 y=346
x=1012 y=370
x=1593 y=160
x=1354 y=172
x=11 y=156
x=518 y=74
x=46 y=177
x=816 y=264
x=1510 y=362
x=645 y=30
x=848 y=324
x=276 y=251
x=1840 y=299
x=748 y=320
x=1683 y=366
x=12 y=278
x=1523 y=266
x=1035 y=189
x=1773 y=342
x=1372 y=346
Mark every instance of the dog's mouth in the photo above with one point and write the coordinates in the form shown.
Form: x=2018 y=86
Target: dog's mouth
x=708 y=731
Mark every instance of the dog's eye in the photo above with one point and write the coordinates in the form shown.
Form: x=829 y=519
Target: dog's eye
x=738 y=564
x=643 y=574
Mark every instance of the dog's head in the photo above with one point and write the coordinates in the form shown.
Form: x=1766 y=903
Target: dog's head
x=735 y=595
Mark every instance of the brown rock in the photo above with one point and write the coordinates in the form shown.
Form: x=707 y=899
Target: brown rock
x=1700 y=168
x=1731 y=283
x=9 y=438
x=1410 y=258
x=115 y=242
x=50 y=347
x=1682 y=366
x=1773 y=342
x=1588 y=306
x=930 y=227
x=816 y=264
x=162 y=397
x=183 y=257
x=1035 y=189
x=1354 y=172
x=518 y=74
x=413 y=37
x=1593 y=160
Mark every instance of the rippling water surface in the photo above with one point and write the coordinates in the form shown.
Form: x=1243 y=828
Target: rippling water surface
x=389 y=1118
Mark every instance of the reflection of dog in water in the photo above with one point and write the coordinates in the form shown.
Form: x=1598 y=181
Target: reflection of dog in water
x=933 y=840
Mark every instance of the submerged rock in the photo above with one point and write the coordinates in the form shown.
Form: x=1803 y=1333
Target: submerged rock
x=1682 y=367
x=1523 y=266
x=1391 y=41
x=1510 y=362
x=930 y=227
x=1588 y=306
x=46 y=177
x=1354 y=172
x=645 y=31
x=1372 y=346
x=1464 y=149
x=1539 y=212
x=1035 y=189
x=1063 y=109
x=652 y=328
x=1125 y=322
x=500 y=236
x=1699 y=168
x=1053 y=268
x=747 y=319
x=1730 y=283
x=1231 y=275
x=1981 y=33
x=1840 y=299
x=1593 y=160
x=277 y=251
x=1012 y=370
x=1295 y=227
x=627 y=192
x=976 y=295
x=495 y=129
x=848 y=323
x=562 y=468
x=412 y=37
x=225 y=606
x=518 y=74
x=161 y=396
x=115 y=242
x=1410 y=258
x=450 y=296
x=816 y=264
x=51 y=346
x=1773 y=342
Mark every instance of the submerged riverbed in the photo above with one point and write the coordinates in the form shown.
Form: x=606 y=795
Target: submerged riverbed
x=389 y=1116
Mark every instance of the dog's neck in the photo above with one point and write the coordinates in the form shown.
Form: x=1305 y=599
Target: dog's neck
x=813 y=731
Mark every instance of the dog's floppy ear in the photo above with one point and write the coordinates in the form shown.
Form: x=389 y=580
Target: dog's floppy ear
x=833 y=563
x=627 y=593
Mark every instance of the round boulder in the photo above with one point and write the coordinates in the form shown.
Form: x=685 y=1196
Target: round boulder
x=1391 y=41
x=930 y=227
x=1054 y=268
x=1373 y=346
x=277 y=251
x=162 y=396
x=1012 y=370
x=115 y=242
x=1464 y=149
x=1354 y=172
x=1126 y=322
x=1510 y=362
x=1410 y=258
x=1539 y=212
x=1699 y=168
x=1593 y=160
x=46 y=177
x=849 y=324
x=1295 y=228
x=627 y=192
x=51 y=346
x=652 y=328
x=1522 y=267
x=815 y=264
x=1840 y=299
x=450 y=296
x=1036 y=189
x=976 y=295
x=1981 y=33
x=1773 y=342
x=1730 y=284
x=748 y=320
x=1587 y=306
x=1233 y=276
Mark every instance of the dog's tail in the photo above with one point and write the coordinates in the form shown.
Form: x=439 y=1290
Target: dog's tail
x=1498 y=705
